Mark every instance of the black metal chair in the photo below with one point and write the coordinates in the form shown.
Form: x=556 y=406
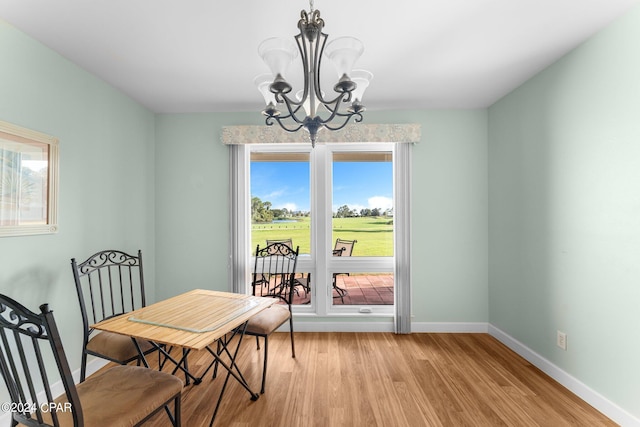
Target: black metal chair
x=342 y=248
x=109 y=283
x=123 y=395
x=302 y=281
x=273 y=276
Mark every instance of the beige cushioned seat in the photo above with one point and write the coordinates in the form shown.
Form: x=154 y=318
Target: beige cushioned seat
x=117 y=346
x=121 y=396
x=268 y=320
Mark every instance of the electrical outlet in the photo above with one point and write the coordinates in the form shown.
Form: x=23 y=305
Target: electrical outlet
x=561 y=340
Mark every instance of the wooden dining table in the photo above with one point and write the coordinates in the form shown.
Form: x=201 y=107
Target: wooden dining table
x=193 y=321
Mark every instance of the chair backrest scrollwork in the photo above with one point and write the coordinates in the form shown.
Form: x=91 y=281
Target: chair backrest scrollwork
x=109 y=283
x=274 y=271
x=28 y=343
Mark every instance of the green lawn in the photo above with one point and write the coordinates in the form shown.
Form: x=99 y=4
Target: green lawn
x=374 y=234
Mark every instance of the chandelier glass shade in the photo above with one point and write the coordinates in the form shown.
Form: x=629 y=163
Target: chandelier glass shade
x=308 y=108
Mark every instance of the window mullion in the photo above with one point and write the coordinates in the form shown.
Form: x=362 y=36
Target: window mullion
x=321 y=220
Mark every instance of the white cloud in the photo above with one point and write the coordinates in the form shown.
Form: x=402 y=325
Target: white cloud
x=380 y=202
x=291 y=207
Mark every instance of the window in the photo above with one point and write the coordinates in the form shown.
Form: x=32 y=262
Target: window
x=280 y=199
x=243 y=141
x=29 y=181
x=335 y=203
x=362 y=226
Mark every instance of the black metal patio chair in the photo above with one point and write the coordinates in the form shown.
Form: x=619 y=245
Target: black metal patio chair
x=342 y=248
x=303 y=281
x=276 y=262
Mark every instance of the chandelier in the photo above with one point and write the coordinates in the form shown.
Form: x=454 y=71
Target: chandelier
x=309 y=109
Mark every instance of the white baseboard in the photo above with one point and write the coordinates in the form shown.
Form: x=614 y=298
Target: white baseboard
x=450 y=327
x=301 y=326
x=387 y=326
x=584 y=392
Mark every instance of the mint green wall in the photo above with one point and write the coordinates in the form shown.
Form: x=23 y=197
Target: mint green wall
x=106 y=176
x=449 y=214
x=192 y=202
x=449 y=208
x=564 y=210
x=552 y=169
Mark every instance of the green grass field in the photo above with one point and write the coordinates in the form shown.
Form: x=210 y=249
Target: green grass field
x=374 y=234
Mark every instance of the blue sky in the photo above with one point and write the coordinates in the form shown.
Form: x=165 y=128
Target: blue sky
x=356 y=184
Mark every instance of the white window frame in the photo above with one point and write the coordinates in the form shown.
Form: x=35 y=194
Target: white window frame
x=324 y=243
x=240 y=236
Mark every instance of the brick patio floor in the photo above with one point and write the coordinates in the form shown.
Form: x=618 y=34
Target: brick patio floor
x=361 y=290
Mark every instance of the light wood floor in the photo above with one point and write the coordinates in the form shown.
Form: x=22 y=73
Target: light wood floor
x=382 y=379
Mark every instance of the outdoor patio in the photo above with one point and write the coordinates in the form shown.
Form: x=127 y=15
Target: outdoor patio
x=362 y=289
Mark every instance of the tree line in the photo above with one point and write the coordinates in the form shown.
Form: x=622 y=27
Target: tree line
x=345 y=211
x=263 y=212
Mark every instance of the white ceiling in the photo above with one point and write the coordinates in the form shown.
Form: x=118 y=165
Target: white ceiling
x=201 y=55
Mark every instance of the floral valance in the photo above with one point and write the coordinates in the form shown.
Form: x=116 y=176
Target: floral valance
x=358 y=132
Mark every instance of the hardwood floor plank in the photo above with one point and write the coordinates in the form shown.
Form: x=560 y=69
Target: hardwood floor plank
x=382 y=379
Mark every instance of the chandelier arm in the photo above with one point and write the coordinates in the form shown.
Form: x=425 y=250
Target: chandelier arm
x=282 y=98
x=270 y=122
x=334 y=107
x=317 y=63
x=358 y=119
x=347 y=94
x=302 y=48
x=336 y=113
x=349 y=114
x=335 y=103
x=292 y=111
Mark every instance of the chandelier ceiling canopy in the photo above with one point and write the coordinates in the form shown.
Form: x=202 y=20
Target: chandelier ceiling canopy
x=308 y=108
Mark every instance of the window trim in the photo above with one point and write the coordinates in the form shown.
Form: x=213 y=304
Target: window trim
x=239 y=200
x=350 y=264
x=20 y=136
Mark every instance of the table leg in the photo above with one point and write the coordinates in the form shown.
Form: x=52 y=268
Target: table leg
x=181 y=364
x=239 y=377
